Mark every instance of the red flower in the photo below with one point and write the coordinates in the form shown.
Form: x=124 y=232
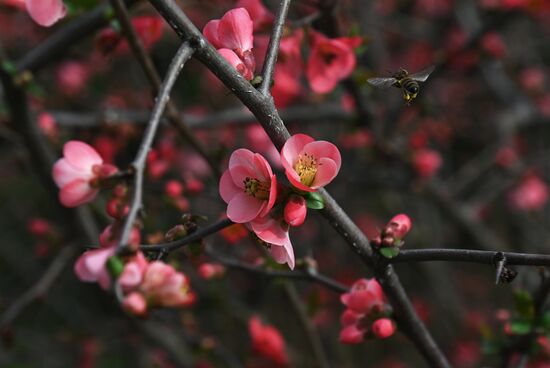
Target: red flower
x=267 y=341
x=330 y=61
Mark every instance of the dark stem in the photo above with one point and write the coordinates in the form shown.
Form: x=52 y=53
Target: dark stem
x=196 y=236
x=183 y=54
x=471 y=256
x=273 y=48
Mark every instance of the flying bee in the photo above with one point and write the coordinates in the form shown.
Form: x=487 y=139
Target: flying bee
x=407 y=82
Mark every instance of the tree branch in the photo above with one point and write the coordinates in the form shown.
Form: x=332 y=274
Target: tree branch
x=183 y=54
x=471 y=256
x=273 y=48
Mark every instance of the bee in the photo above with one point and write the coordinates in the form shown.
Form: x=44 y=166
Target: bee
x=407 y=82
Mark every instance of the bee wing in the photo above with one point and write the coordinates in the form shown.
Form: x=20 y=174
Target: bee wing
x=382 y=82
x=422 y=75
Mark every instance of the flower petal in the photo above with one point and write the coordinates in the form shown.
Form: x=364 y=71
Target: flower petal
x=63 y=173
x=227 y=187
x=327 y=170
x=244 y=208
x=235 y=30
x=81 y=155
x=321 y=149
x=76 y=193
x=46 y=12
x=210 y=31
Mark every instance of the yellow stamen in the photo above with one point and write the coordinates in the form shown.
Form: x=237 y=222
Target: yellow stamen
x=306 y=167
x=257 y=189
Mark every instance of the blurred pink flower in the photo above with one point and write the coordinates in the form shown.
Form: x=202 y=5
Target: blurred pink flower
x=46 y=12
x=330 y=61
x=72 y=77
x=310 y=164
x=351 y=334
x=492 y=44
x=248 y=186
x=163 y=286
x=91 y=266
x=134 y=303
x=267 y=341
x=211 y=270
x=78 y=172
x=530 y=195
x=426 y=162
x=232 y=36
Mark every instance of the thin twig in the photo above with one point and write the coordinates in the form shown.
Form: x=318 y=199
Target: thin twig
x=312 y=336
x=299 y=274
x=146 y=63
x=40 y=288
x=197 y=235
x=471 y=256
x=273 y=48
x=183 y=54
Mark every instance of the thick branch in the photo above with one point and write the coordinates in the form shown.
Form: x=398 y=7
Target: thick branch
x=138 y=165
x=273 y=48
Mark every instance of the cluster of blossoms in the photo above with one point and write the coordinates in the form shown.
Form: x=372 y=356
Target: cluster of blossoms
x=367 y=313
x=391 y=237
x=254 y=197
x=330 y=59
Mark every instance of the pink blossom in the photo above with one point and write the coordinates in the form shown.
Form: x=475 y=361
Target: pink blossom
x=267 y=341
x=309 y=164
x=72 y=77
x=248 y=186
x=383 y=328
x=426 y=162
x=173 y=188
x=532 y=79
x=365 y=294
x=275 y=232
x=91 y=266
x=493 y=44
x=78 y=172
x=295 y=211
x=211 y=270
x=530 y=195
x=135 y=303
x=48 y=125
x=233 y=34
x=330 y=61
x=261 y=16
x=259 y=141
x=351 y=334
x=39 y=227
x=46 y=12
x=164 y=286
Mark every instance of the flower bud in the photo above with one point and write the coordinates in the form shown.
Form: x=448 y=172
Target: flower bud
x=295 y=211
x=351 y=335
x=383 y=328
x=400 y=224
x=135 y=304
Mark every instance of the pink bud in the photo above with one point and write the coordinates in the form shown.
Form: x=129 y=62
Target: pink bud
x=173 y=188
x=39 y=227
x=426 y=162
x=135 y=304
x=351 y=335
x=211 y=270
x=400 y=224
x=350 y=317
x=383 y=328
x=295 y=211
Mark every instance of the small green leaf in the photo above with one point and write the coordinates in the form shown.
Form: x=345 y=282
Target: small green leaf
x=520 y=327
x=314 y=201
x=389 y=252
x=115 y=266
x=524 y=304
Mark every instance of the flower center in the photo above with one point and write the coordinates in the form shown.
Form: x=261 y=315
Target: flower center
x=257 y=189
x=306 y=167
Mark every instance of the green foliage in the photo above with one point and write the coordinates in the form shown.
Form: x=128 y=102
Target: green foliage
x=314 y=201
x=524 y=304
x=520 y=327
x=115 y=266
x=389 y=252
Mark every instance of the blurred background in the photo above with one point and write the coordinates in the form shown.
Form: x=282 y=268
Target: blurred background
x=467 y=161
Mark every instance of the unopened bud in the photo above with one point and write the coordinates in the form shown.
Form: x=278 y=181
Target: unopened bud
x=383 y=328
x=177 y=232
x=400 y=225
x=295 y=211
